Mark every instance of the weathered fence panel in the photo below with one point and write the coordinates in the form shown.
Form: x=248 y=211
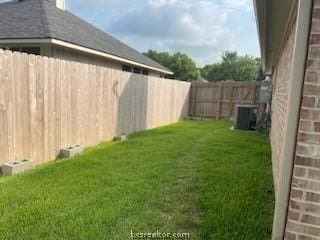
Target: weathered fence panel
x=49 y=104
x=218 y=100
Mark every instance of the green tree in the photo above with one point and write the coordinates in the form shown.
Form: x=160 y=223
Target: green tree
x=182 y=65
x=163 y=58
x=205 y=71
x=234 y=67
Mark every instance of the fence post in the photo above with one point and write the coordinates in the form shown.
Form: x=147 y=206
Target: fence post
x=255 y=94
x=231 y=101
x=219 y=102
x=191 y=100
x=195 y=101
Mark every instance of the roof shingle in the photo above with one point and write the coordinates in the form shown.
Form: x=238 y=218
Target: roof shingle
x=39 y=19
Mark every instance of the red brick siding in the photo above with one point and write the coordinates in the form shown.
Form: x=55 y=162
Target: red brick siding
x=304 y=208
x=281 y=77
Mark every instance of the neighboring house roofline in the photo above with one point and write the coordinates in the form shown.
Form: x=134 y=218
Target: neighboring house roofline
x=40 y=19
x=61 y=43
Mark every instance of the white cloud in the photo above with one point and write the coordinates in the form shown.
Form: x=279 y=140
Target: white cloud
x=160 y=3
x=200 y=28
x=243 y=4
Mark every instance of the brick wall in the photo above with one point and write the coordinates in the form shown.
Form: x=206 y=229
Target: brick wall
x=280 y=79
x=304 y=208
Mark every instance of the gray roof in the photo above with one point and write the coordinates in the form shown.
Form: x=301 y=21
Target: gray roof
x=39 y=19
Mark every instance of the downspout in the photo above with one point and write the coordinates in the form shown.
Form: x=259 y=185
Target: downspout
x=292 y=119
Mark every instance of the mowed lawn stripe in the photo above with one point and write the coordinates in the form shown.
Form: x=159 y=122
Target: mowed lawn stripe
x=194 y=176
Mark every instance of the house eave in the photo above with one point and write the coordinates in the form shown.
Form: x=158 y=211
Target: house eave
x=61 y=43
x=273 y=19
x=260 y=14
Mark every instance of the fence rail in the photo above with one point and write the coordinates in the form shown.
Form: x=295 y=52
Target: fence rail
x=218 y=100
x=47 y=104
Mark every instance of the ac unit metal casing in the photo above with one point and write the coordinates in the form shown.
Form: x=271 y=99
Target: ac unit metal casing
x=246 y=117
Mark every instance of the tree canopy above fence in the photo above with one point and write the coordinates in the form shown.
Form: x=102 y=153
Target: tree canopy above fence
x=181 y=64
x=234 y=67
x=231 y=67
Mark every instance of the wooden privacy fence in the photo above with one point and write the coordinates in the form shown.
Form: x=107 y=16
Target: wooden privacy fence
x=218 y=100
x=47 y=104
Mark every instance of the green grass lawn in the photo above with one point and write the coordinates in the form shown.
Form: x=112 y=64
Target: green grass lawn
x=194 y=177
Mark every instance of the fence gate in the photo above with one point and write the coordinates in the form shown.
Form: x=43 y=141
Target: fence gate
x=218 y=100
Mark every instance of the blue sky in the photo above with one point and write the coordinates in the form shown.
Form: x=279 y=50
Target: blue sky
x=201 y=28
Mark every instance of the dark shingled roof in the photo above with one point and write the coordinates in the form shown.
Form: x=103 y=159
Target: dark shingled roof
x=30 y=19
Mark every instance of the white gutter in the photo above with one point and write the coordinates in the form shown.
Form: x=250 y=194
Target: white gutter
x=292 y=118
x=260 y=14
x=82 y=49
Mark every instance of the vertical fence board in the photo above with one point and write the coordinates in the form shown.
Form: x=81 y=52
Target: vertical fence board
x=3 y=111
x=218 y=100
x=48 y=104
